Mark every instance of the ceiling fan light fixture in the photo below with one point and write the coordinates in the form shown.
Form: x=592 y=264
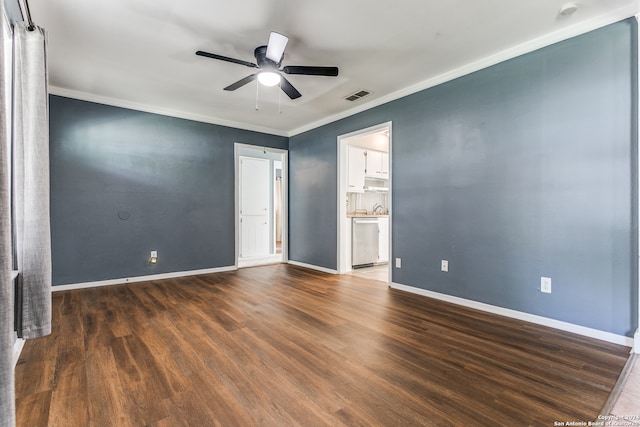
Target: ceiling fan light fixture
x=269 y=78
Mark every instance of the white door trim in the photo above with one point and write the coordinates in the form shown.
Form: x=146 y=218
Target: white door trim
x=342 y=261
x=285 y=196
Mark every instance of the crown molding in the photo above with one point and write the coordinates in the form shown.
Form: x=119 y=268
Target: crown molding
x=504 y=55
x=510 y=53
x=114 y=102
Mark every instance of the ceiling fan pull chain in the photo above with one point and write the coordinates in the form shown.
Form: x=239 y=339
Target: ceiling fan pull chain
x=280 y=98
x=257 y=92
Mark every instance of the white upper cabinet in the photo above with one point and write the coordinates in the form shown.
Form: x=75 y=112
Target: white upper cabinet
x=356 y=165
x=385 y=165
x=377 y=165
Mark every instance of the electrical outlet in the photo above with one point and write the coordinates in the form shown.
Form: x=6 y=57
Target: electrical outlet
x=545 y=285
x=398 y=262
x=444 y=265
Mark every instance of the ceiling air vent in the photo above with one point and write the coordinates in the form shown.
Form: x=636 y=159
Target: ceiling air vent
x=359 y=94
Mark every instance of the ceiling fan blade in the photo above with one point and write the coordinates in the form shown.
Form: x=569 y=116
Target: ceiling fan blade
x=311 y=71
x=241 y=82
x=226 y=58
x=288 y=88
x=275 y=46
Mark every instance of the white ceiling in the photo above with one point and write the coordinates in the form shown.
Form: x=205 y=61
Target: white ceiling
x=141 y=53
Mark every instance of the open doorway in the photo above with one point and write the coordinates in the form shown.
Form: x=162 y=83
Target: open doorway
x=261 y=199
x=364 y=202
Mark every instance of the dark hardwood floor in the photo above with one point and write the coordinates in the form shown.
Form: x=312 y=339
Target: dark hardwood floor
x=284 y=346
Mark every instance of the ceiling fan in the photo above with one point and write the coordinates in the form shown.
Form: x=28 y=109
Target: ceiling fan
x=269 y=58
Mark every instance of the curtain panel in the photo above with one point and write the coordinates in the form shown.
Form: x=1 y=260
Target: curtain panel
x=31 y=178
x=7 y=399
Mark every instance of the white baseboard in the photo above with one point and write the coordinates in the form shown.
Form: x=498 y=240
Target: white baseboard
x=313 y=267
x=260 y=260
x=636 y=340
x=141 y=278
x=527 y=317
x=17 y=350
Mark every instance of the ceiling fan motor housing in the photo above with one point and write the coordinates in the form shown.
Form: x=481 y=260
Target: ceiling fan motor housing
x=261 y=58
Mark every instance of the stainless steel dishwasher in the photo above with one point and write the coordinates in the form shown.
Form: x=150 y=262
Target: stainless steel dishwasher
x=364 y=242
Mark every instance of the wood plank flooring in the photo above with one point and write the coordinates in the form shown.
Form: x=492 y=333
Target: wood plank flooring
x=285 y=346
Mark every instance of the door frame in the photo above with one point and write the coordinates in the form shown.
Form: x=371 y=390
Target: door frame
x=285 y=195
x=342 y=235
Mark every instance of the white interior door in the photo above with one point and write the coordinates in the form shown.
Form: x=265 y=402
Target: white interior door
x=255 y=215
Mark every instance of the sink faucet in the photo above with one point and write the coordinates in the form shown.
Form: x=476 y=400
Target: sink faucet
x=378 y=208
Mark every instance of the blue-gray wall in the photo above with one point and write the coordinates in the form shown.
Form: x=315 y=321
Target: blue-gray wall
x=125 y=182
x=521 y=170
